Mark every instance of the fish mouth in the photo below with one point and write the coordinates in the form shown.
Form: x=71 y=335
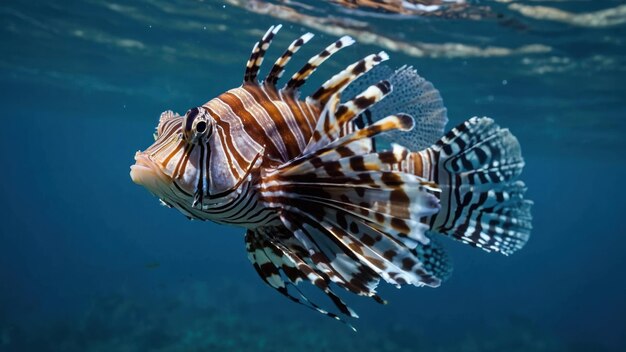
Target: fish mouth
x=146 y=173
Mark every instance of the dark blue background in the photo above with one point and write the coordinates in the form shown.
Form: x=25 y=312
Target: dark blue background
x=90 y=261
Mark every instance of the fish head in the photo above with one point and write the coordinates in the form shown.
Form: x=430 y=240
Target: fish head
x=187 y=166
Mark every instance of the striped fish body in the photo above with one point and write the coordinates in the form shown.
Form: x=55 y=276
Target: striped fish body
x=321 y=201
x=263 y=116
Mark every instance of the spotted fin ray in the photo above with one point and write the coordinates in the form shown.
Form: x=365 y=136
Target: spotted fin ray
x=411 y=95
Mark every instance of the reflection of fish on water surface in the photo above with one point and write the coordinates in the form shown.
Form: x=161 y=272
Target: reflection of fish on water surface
x=320 y=202
x=421 y=8
x=393 y=9
x=332 y=24
x=457 y=9
x=349 y=18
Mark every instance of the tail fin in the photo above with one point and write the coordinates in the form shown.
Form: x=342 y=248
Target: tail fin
x=477 y=165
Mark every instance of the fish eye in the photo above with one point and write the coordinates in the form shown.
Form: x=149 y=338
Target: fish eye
x=190 y=117
x=201 y=126
x=197 y=125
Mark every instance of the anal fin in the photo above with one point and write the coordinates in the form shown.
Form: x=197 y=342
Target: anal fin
x=283 y=268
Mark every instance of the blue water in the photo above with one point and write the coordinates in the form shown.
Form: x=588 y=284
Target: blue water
x=90 y=261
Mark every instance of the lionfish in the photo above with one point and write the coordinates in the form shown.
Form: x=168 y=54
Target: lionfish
x=322 y=193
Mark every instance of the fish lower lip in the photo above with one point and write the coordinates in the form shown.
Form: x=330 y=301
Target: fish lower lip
x=139 y=167
x=141 y=171
x=146 y=173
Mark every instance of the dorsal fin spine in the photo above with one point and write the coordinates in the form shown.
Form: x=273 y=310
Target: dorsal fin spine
x=279 y=66
x=341 y=80
x=258 y=52
x=300 y=77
